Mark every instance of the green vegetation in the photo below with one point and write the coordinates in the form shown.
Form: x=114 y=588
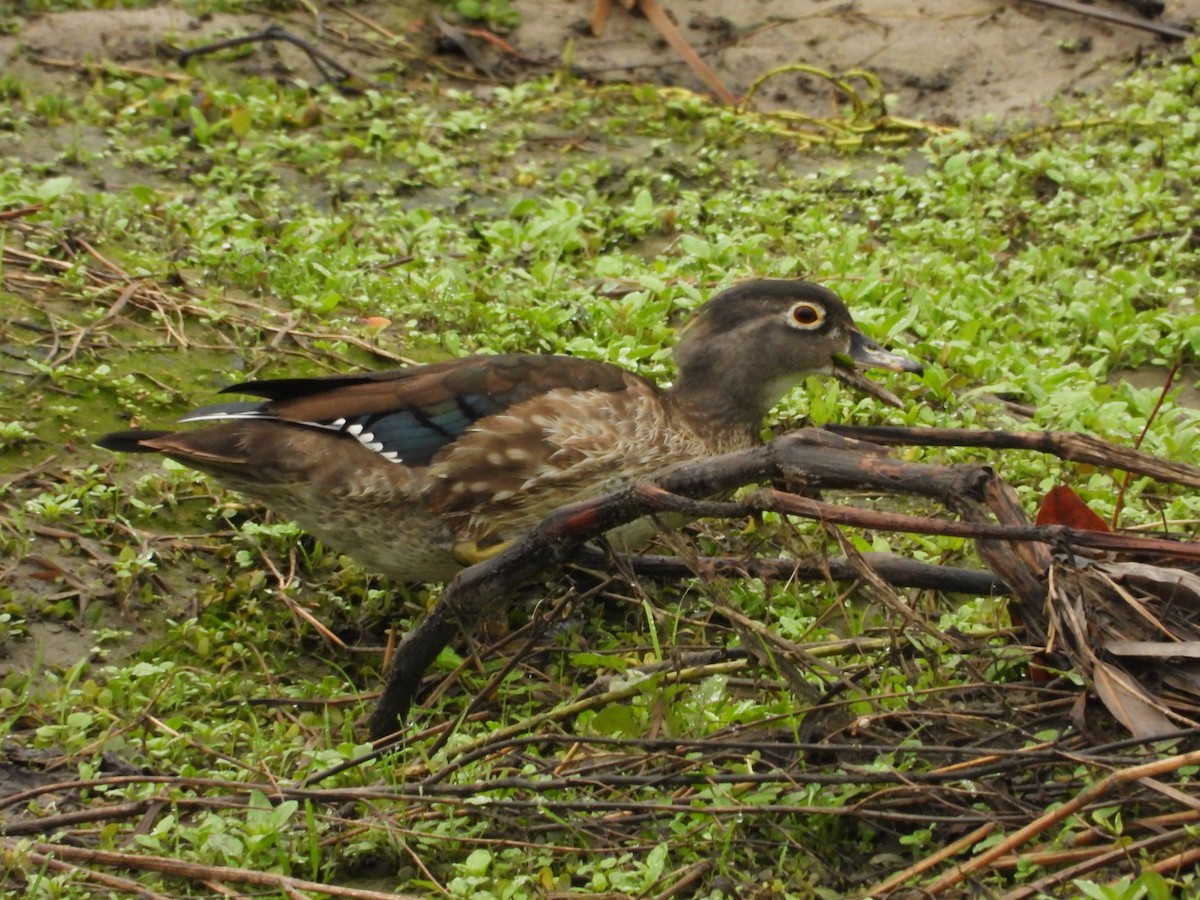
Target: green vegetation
x=184 y=234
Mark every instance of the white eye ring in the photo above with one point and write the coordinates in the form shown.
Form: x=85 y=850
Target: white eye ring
x=807 y=315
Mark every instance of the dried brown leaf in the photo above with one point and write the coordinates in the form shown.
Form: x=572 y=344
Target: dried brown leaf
x=1128 y=703
x=1155 y=649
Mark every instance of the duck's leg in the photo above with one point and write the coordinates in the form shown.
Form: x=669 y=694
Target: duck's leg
x=469 y=552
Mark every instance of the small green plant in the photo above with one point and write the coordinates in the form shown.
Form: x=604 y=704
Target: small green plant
x=1147 y=885
x=498 y=15
x=12 y=434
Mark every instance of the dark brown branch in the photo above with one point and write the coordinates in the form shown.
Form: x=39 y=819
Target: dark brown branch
x=1172 y=32
x=1080 y=448
x=896 y=570
x=325 y=64
x=179 y=868
x=658 y=500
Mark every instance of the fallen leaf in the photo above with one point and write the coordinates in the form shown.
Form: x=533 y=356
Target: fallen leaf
x=1062 y=506
x=1158 y=649
x=1129 y=705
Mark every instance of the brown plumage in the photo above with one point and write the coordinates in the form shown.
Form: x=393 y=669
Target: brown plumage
x=419 y=471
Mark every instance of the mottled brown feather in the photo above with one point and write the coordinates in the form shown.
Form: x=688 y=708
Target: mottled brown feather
x=512 y=375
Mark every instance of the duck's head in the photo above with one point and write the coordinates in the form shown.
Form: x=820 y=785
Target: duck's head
x=751 y=344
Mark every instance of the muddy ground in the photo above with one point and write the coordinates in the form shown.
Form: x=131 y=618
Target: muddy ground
x=946 y=61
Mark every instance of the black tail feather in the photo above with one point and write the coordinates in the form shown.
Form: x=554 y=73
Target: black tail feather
x=130 y=441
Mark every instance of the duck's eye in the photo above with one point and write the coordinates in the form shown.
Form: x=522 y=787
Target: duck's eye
x=808 y=315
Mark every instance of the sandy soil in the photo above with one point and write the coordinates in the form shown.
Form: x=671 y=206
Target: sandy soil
x=943 y=60
x=947 y=61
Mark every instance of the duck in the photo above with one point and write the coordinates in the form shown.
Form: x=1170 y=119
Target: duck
x=418 y=472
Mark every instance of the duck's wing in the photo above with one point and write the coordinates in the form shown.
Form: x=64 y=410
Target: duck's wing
x=409 y=415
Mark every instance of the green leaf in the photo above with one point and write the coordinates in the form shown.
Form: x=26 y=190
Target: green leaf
x=614 y=721
x=655 y=864
x=478 y=862
x=694 y=246
x=240 y=121
x=957 y=164
x=53 y=188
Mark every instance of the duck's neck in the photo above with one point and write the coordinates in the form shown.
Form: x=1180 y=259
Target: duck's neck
x=724 y=406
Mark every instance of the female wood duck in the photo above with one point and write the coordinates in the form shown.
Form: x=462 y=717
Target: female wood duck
x=420 y=471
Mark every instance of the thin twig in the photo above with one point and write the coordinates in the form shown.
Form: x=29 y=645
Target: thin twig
x=178 y=868
x=1137 y=445
x=1171 y=32
x=934 y=859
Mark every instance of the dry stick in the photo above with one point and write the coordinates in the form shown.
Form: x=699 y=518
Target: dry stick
x=51 y=824
x=595 y=701
x=1172 y=793
x=26 y=259
x=19 y=212
x=433 y=785
x=994 y=760
x=1080 y=448
x=601 y=10
x=109 y=64
x=1079 y=802
x=84 y=333
x=316 y=56
x=1177 y=862
x=489 y=37
x=121 y=780
x=1110 y=856
x=1046 y=858
x=296 y=609
x=18 y=477
x=582 y=702
x=1137 y=445
x=431 y=789
x=541 y=805
x=1116 y=18
x=128 y=887
x=769 y=649
x=471 y=660
x=177 y=868
x=535 y=634
x=103 y=260
x=898 y=571
x=649 y=498
x=667 y=29
x=791 y=504
x=653 y=12
x=366 y=22
x=952 y=849
x=875 y=588
x=687 y=877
